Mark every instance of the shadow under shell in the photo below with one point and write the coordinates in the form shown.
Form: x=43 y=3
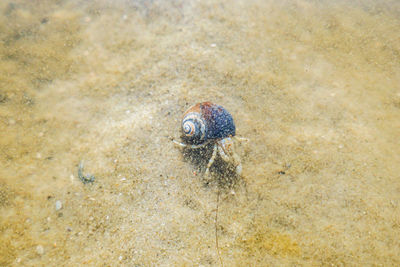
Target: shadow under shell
x=221 y=172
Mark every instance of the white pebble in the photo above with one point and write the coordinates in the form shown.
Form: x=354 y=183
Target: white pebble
x=39 y=250
x=58 y=205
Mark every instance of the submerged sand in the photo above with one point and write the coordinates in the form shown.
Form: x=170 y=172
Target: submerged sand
x=314 y=85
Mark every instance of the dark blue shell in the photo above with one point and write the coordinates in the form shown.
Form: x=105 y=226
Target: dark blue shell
x=219 y=122
x=210 y=121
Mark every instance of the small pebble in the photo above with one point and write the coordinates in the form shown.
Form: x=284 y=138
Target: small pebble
x=40 y=250
x=58 y=205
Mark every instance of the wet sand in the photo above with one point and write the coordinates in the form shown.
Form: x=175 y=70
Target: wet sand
x=314 y=85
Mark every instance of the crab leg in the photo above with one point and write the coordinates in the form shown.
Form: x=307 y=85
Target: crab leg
x=222 y=153
x=238 y=164
x=241 y=139
x=190 y=146
x=231 y=154
x=211 y=161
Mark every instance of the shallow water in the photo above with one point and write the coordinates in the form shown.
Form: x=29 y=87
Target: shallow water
x=314 y=85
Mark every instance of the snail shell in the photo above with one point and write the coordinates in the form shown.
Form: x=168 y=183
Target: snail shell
x=205 y=121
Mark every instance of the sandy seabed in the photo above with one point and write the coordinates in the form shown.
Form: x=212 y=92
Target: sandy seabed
x=314 y=85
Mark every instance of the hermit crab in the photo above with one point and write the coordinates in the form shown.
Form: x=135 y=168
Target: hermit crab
x=206 y=123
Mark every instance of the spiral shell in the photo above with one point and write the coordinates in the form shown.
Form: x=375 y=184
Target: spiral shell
x=205 y=121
